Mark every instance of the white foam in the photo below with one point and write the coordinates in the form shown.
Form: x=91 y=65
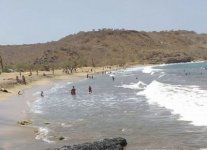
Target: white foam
x=150 y=70
x=139 y=85
x=55 y=88
x=36 y=106
x=66 y=125
x=195 y=62
x=189 y=102
x=147 y=69
x=36 y=93
x=162 y=75
x=42 y=134
x=112 y=75
x=136 y=68
x=123 y=130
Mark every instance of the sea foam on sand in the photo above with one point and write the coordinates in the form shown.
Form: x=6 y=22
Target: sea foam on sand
x=42 y=134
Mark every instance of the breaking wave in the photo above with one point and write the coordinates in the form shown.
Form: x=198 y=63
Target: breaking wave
x=139 y=85
x=189 y=102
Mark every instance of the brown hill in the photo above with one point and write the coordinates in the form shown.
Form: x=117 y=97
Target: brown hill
x=107 y=47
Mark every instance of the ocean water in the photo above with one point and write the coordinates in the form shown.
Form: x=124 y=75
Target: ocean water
x=153 y=107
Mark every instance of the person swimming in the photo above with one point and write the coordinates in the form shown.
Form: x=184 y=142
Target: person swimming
x=42 y=94
x=89 y=89
x=73 y=91
x=113 y=78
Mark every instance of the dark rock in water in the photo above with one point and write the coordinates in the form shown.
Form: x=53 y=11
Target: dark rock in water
x=106 y=144
x=46 y=123
x=61 y=138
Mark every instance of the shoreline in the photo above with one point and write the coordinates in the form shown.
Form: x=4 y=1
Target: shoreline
x=8 y=80
x=10 y=116
x=33 y=80
x=20 y=103
x=12 y=101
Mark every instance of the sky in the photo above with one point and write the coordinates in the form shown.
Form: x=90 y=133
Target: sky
x=39 y=21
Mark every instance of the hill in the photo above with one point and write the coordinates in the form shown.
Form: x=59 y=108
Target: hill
x=108 y=47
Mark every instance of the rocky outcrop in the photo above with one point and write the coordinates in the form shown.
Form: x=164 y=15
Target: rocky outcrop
x=178 y=60
x=106 y=144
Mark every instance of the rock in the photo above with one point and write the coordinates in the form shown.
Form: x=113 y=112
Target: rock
x=121 y=141
x=106 y=144
x=178 y=59
x=24 y=122
x=61 y=138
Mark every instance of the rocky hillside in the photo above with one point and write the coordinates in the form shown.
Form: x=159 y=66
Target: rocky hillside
x=107 y=47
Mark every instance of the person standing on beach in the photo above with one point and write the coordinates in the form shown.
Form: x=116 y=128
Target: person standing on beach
x=20 y=93
x=23 y=80
x=89 y=89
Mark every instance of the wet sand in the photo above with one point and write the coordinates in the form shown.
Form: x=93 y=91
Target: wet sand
x=13 y=135
x=15 y=109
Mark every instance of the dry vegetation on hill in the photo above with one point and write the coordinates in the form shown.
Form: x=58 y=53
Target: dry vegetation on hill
x=108 y=47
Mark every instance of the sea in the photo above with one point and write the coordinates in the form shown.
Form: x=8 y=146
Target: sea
x=153 y=107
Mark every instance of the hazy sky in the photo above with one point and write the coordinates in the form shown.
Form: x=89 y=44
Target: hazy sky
x=33 y=21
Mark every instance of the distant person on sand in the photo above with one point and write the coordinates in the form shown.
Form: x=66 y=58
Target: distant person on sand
x=89 y=89
x=23 y=79
x=73 y=91
x=42 y=94
x=20 y=93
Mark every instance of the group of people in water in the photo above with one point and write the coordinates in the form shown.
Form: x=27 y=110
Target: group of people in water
x=73 y=90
